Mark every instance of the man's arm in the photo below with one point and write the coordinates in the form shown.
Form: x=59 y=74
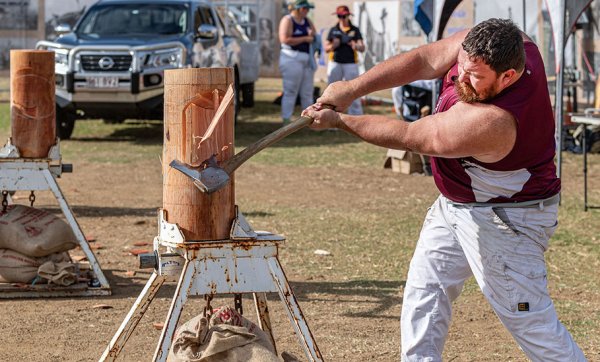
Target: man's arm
x=426 y=62
x=477 y=130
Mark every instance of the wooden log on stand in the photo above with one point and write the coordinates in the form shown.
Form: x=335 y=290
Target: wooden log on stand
x=32 y=107
x=197 y=92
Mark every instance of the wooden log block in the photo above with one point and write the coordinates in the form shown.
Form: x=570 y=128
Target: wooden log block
x=32 y=107
x=200 y=216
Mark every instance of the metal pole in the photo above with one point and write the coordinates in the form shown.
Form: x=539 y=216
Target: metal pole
x=524 y=19
x=558 y=101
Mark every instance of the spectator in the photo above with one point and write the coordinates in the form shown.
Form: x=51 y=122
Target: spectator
x=343 y=43
x=296 y=62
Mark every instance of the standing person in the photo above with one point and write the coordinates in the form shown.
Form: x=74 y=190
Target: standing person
x=343 y=43
x=296 y=33
x=492 y=142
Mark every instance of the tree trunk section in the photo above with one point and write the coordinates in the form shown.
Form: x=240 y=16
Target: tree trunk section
x=200 y=216
x=32 y=107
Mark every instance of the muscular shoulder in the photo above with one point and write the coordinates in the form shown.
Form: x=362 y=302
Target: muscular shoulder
x=482 y=131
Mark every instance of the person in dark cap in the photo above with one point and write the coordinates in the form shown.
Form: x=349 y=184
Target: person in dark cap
x=343 y=43
x=296 y=33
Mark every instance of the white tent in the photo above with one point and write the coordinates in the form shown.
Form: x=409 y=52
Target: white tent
x=563 y=16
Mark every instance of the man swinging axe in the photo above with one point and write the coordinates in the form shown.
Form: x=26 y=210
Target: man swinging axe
x=491 y=139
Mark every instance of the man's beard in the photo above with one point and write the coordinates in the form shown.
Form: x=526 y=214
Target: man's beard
x=466 y=93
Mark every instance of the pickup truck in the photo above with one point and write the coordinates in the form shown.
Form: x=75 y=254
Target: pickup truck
x=111 y=64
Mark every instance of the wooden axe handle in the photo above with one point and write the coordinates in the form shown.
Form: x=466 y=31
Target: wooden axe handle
x=234 y=162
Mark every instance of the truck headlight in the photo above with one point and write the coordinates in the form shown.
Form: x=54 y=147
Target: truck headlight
x=170 y=58
x=60 y=56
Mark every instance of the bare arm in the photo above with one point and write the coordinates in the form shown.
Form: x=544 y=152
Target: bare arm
x=477 y=130
x=426 y=62
x=285 y=33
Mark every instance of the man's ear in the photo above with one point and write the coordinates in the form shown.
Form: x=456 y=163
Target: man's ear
x=507 y=77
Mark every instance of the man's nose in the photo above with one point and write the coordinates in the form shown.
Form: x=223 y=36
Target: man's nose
x=461 y=77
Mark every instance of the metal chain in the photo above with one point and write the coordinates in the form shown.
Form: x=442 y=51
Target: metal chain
x=32 y=198
x=4 y=200
x=208 y=309
x=237 y=303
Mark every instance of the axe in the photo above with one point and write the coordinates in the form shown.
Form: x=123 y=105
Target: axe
x=210 y=177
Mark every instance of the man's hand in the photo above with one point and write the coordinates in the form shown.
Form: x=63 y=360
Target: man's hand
x=323 y=118
x=339 y=95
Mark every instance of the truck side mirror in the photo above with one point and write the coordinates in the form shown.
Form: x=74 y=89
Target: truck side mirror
x=62 y=29
x=207 y=31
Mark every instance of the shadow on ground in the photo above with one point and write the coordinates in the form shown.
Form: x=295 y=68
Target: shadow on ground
x=95 y=211
x=377 y=297
x=254 y=123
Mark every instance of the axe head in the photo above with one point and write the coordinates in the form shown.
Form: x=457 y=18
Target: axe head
x=208 y=178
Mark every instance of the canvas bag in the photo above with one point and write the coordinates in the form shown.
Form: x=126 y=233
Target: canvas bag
x=34 y=232
x=224 y=336
x=18 y=268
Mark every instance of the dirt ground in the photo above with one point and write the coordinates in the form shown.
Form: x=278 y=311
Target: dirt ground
x=350 y=322
x=351 y=300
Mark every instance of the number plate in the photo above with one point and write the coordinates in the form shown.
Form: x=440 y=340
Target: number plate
x=102 y=82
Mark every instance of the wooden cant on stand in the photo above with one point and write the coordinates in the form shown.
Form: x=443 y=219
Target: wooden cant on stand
x=32 y=107
x=192 y=97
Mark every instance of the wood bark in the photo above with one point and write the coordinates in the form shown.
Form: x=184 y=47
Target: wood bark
x=200 y=216
x=32 y=106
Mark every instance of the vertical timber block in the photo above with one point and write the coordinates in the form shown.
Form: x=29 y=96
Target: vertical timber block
x=200 y=216
x=32 y=107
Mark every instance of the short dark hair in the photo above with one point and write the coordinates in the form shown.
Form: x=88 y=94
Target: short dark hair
x=498 y=42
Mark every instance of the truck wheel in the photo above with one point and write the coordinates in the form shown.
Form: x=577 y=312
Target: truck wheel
x=247 y=95
x=65 y=122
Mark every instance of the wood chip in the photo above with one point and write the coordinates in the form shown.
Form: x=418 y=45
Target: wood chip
x=123 y=284
x=102 y=306
x=130 y=273
x=136 y=252
x=90 y=239
x=141 y=243
x=96 y=246
x=322 y=252
x=158 y=325
x=78 y=258
x=140 y=222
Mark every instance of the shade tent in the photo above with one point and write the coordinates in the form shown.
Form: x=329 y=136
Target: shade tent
x=563 y=16
x=433 y=15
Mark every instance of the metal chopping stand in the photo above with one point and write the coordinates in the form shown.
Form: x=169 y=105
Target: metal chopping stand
x=204 y=243
x=39 y=174
x=246 y=263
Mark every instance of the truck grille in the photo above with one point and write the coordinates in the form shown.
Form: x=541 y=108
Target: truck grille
x=106 y=63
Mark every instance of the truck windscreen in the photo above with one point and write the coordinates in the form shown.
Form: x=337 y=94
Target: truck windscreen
x=128 y=19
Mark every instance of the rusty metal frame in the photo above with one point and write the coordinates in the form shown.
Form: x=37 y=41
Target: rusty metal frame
x=19 y=174
x=234 y=266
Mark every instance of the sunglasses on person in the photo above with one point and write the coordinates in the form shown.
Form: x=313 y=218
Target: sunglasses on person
x=342 y=16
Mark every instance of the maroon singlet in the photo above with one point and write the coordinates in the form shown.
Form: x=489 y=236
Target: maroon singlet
x=528 y=171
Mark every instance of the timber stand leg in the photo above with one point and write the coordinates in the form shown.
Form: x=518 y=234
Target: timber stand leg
x=262 y=311
x=179 y=299
x=53 y=185
x=294 y=312
x=133 y=317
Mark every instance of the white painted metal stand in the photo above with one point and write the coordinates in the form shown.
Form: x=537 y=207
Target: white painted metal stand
x=27 y=174
x=246 y=263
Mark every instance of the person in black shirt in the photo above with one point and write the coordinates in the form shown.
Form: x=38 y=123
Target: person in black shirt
x=343 y=43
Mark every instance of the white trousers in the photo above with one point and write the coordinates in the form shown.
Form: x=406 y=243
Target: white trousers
x=343 y=71
x=298 y=78
x=503 y=248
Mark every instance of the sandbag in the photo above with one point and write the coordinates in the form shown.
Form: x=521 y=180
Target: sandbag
x=34 y=232
x=59 y=273
x=18 y=268
x=224 y=336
